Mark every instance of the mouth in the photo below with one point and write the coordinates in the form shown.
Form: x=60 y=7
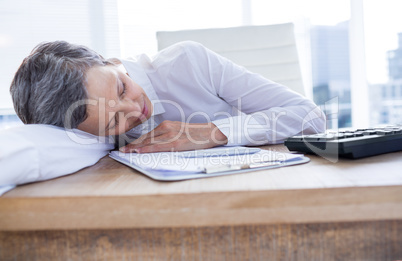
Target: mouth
x=144 y=112
x=137 y=120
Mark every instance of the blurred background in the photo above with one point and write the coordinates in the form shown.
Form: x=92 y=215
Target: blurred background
x=350 y=51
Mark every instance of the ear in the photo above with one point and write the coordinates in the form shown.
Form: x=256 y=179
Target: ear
x=115 y=61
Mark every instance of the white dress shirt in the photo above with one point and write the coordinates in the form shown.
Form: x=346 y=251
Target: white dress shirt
x=185 y=82
x=189 y=83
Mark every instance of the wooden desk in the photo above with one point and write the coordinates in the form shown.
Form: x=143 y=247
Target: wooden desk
x=349 y=210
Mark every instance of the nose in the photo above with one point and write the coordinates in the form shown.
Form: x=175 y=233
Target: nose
x=129 y=114
x=128 y=106
x=131 y=101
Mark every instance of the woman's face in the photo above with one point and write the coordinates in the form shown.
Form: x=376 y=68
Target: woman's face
x=115 y=103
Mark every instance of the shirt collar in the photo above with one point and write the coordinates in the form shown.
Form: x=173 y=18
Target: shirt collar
x=136 y=71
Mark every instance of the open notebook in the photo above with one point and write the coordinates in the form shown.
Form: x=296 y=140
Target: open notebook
x=171 y=166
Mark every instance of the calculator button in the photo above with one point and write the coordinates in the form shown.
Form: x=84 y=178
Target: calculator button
x=369 y=132
x=384 y=132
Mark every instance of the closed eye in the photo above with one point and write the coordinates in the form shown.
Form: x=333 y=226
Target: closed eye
x=116 y=120
x=123 y=89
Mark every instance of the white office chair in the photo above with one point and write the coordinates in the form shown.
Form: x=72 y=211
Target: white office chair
x=269 y=50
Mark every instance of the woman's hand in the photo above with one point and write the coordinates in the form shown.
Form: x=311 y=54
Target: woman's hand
x=178 y=136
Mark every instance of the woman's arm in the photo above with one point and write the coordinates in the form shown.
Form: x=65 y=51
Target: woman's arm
x=268 y=111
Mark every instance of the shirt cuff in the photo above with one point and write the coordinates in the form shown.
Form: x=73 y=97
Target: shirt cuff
x=243 y=130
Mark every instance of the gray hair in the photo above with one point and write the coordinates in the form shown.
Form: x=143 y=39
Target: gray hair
x=50 y=80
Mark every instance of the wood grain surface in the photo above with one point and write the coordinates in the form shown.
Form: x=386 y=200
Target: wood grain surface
x=110 y=195
x=203 y=209
x=380 y=240
x=322 y=210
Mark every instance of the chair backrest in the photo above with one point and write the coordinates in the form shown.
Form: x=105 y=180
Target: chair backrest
x=269 y=50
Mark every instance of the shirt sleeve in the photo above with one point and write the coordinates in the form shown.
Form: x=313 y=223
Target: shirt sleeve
x=37 y=152
x=268 y=112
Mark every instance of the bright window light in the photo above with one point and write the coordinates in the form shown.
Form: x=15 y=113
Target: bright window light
x=122 y=28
